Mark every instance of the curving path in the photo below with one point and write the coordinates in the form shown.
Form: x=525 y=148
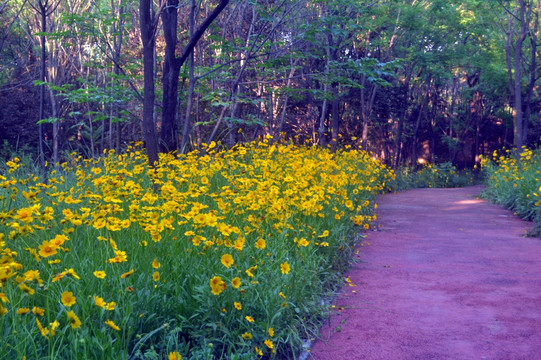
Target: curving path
x=446 y=276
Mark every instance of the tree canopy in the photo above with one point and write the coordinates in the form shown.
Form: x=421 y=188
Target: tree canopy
x=410 y=81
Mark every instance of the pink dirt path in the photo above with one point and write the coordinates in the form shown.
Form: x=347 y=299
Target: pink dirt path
x=447 y=276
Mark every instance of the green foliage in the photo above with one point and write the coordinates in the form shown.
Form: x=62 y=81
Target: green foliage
x=514 y=181
x=443 y=175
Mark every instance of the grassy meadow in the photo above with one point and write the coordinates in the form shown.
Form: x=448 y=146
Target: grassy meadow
x=225 y=254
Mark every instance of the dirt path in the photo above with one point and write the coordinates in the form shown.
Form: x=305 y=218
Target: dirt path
x=446 y=277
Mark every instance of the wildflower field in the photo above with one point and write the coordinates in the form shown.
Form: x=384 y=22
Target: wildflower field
x=516 y=183
x=225 y=254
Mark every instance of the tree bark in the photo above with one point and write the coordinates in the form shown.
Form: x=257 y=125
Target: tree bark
x=533 y=71
x=172 y=65
x=149 y=43
x=43 y=76
x=171 y=72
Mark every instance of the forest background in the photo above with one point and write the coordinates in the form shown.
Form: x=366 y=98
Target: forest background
x=410 y=81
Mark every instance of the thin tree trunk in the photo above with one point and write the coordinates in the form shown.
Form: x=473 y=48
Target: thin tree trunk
x=43 y=76
x=335 y=111
x=518 y=120
x=322 y=128
x=149 y=43
x=415 y=131
x=533 y=73
x=172 y=65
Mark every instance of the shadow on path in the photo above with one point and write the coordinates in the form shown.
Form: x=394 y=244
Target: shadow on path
x=446 y=276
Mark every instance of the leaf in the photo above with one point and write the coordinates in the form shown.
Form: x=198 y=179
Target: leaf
x=50 y=120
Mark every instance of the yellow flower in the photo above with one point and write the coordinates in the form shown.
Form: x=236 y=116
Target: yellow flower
x=175 y=355
x=110 y=306
x=72 y=272
x=4 y=298
x=112 y=325
x=284 y=268
x=269 y=343
x=227 y=260
x=156 y=264
x=325 y=234
x=120 y=257
x=47 y=249
x=249 y=272
x=74 y=320
x=260 y=244
x=27 y=289
x=126 y=274
x=156 y=276
x=59 y=240
x=54 y=325
x=68 y=299
x=250 y=319
x=239 y=243
x=271 y=332
x=238 y=305
x=247 y=336
x=38 y=311
x=44 y=331
x=100 y=274
x=99 y=302
x=217 y=285
x=236 y=282
x=22 y=311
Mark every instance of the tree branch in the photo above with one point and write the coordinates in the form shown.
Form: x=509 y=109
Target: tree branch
x=200 y=31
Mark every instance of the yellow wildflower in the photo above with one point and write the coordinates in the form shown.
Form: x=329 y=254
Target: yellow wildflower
x=126 y=274
x=100 y=274
x=285 y=268
x=175 y=355
x=99 y=302
x=236 y=282
x=74 y=320
x=227 y=260
x=217 y=285
x=68 y=299
x=112 y=325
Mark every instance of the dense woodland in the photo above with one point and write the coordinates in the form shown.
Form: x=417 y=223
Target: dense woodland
x=409 y=80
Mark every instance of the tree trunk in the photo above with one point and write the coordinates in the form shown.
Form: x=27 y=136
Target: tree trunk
x=335 y=111
x=322 y=128
x=171 y=72
x=149 y=43
x=172 y=65
x=515 y=83
x=415 y=131
x=191 y=86
x=43 y=76
x=533 y=72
